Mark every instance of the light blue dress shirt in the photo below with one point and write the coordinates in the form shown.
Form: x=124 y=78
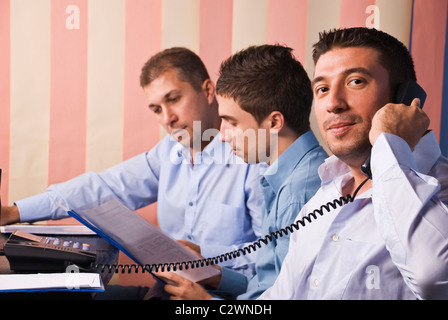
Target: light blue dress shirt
x=215 y=203
x=287 y=185
x=390 y=243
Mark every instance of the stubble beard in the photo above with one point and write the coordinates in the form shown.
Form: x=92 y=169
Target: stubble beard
x=352 y=152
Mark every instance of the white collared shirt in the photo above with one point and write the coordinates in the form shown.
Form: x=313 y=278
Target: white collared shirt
x=391 y=242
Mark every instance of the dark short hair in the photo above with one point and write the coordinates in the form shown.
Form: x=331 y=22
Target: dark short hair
x=189 y=66
x=394 y=56
x=267 y=78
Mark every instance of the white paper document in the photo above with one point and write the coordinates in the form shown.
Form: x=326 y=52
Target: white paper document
x=141 y=241
x=51 y=281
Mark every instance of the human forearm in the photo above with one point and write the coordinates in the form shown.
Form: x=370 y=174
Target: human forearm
x=411 y=216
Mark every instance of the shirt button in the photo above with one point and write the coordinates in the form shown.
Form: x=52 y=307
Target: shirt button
x=190 y=204
x=316 y=283
x=335 y=238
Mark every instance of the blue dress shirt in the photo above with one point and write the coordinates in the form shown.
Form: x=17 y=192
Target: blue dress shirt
x=391 y=242
x=215 y=202
x=287 y=185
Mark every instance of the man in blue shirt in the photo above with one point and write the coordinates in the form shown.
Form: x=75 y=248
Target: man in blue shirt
x=204 y=193
x=265 y=99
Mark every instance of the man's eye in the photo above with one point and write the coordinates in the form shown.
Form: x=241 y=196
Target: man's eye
x=231 y=123
x=156 y=110
x=356 y=82
x=228 y=123
x=321 y=90
x=173 y=99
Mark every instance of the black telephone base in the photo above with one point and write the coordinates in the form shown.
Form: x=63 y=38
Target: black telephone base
x=26 y=252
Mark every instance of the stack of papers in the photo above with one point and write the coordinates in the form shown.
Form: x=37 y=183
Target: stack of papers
x=51 y=282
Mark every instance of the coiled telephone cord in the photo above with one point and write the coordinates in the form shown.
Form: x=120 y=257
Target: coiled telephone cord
x=185 y=265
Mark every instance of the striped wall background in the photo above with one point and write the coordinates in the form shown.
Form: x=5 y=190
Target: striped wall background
x=70 y=100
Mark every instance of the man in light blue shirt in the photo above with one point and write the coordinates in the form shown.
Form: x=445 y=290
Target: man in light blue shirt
x=205 y=194
x=265 y=100
x=391 y=240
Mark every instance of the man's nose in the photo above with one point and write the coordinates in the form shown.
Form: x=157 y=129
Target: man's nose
x=169 y=118
x=336 y=100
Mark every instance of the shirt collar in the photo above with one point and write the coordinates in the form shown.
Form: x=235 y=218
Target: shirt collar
x=216 y=151
x=331 y=168
x=334 y=173
x=282 y=168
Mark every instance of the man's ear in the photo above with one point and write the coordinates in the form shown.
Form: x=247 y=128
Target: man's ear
x=208 y=87
x=276 y=121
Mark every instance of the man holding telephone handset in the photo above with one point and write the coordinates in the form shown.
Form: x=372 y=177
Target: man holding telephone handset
x=391 y=242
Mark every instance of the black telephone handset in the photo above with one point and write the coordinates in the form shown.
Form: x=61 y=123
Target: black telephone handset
x=406 y=92
x=32 y=253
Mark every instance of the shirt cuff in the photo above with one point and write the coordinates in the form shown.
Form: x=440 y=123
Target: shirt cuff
x=232 y=282
x=388 y=151
x=34 y=208
x=38 y=208
x=245 y=263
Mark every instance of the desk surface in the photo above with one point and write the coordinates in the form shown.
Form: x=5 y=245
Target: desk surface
x=106 y=253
